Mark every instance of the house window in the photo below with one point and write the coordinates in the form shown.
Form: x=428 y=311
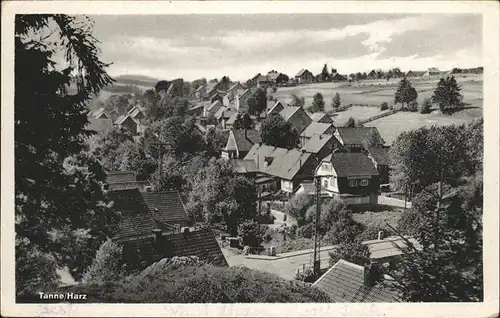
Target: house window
x=364 y=183
x=352 y=183
x=325 y=183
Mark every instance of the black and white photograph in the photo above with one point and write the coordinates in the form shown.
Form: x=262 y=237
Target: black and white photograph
x=250 y=157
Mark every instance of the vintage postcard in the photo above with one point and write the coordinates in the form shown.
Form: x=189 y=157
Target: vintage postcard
x=250 y=158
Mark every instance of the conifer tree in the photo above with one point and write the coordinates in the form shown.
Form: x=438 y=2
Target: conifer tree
x=405 y=93
x=447 y=94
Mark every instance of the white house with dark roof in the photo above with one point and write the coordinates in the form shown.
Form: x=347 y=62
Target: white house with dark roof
x=320 y=117
x=241 y=98
x=350 y=176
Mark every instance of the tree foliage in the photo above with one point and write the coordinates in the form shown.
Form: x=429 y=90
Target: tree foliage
x=257 y=102
x=298 y=101
x=318 y=104
x=419 y=156
x=405 y=93
x=251 y=232
x=449 y=267
x=278 y=133
x=352 y=123
x=325 y=75
x=243 y=121
x=107 y=265
x=447 y=94
x=297 y=207
x=336 y=102
x=61 y=211
x=426 y=106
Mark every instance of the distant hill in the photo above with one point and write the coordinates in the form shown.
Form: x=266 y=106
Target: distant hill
x=141 y=80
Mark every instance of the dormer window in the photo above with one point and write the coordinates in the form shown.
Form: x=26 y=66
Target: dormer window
x=364 y=183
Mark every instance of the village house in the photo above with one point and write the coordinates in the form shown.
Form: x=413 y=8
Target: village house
x=354 y=139
x=304 y=77
x=244 y=167
x=316 y=129
x=166 y=209
x=201 y=93
x=321 y=145
x=336 y=77
x=276 y=107
x=223 y=115
x=196 y=110
x=239 y=143
x=320 y=117
x=372 y=75
x=117 y=180
x=211 y=109
x=432 y=71
x=241 y=98
x=254 y=79
x=127 y=122
x=411 y=73
x=100 y=121
x=213 y=89
x=351 y=177
x=263 y=81
x=137 y=113
x=141 y=252
x=297 y=117
x=381 y=159
x=346 y=282
x=288 y=167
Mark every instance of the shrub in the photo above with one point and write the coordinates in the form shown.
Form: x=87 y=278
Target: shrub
x=251 y=232
x=426 y=106
x=305 y=231
x=351 y=251
x=205 y=284
x=107 y=265
x=369 y=233
x=297 y=207
x=413 y=106
x=384 y=106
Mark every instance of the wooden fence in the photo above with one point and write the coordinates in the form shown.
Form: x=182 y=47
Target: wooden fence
x=364 y=121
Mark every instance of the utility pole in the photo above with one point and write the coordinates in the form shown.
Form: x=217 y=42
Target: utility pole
x=316 y=257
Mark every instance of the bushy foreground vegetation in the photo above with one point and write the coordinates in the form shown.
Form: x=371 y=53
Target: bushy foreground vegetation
x=202 y=284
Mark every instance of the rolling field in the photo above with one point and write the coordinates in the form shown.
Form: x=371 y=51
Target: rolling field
x=375 y=92
x=391 y=126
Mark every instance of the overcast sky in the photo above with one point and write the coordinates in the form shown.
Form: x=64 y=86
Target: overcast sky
x=195 y=46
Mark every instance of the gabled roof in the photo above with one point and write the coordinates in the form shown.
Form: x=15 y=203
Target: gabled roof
x=235 y=86
x=415 y=73
x=120 y=176
x=135 y=219
x=243 y=140
x=220 y=112
x=243 y=93
x=214 y=105
x=316 y=128
x=165 y=206
x=142 y=252
x=122 y=118
x=275 y=106
x=287 y=112
x=201 y=88
x=350 y=164
x=380 y=155
x=230 y=113
x=344 y=283
x=316 y=143
x=302 y=71
x=232 y=119
x=135 y=111
x=389 y=247
x=316 y=117
x=357 y=135
x=284 y=164
x=339 y=77
x=99 y=124
x=243 y=166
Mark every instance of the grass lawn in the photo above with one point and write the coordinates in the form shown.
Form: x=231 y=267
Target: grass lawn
x=391 y=126
x=375 y=92
x=356 y=112
x=378 y=219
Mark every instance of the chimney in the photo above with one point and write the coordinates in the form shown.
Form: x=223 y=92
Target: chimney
x=380 y=235
x=371 y=274
x=158 y=237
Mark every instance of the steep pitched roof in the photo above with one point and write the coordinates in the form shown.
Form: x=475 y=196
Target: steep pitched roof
x=201 y=88
x=243 y=166
x=380 y=155
x=235 y=86
x=242 y=140
x=276 y=107
x=287 y=112
x=316 y=117
x=357 y=135
x=220 y=112
x=344 y=282
x=232 y=119
x=165 y=206
x=122 y=118
x=316 y=143
x=120 y=176
x=389 y=247
x=316 y=128
x=302 y=71
x=99 y=124
x=349 y=164
x=143 y=252
x=214 y=105
x=135 y=216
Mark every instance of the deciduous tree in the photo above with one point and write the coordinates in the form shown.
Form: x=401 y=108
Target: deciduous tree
x=405 y=93
x=257 y=102
x=278 y=133
x=336 y=101
x=447 y=94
